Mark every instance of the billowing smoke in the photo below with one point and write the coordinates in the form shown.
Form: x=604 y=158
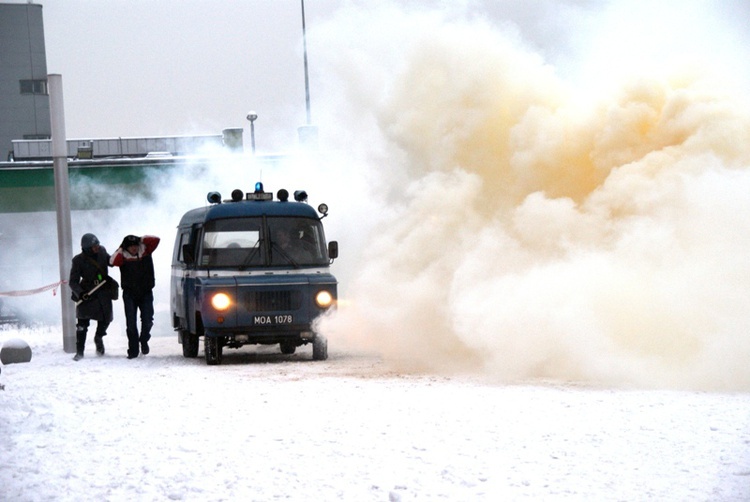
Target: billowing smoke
x=526 y=229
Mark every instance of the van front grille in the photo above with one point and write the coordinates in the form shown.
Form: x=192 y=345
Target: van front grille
x=273 y=301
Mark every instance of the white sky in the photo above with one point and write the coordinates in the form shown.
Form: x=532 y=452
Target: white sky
x=174 y=67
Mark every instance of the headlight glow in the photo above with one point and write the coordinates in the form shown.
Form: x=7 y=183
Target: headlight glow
x=221 y=301
x=324 y=299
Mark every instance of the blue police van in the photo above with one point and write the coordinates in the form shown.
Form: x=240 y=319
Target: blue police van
x=252 y=270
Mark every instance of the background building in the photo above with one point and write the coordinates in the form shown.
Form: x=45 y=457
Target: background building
x=24 y=101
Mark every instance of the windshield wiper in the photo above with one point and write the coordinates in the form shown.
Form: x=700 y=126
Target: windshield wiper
x=250 y=256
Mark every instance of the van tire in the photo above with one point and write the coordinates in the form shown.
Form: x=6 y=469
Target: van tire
x=320 y=348
x=212 y=347
x=190 y=344
x=287 y=347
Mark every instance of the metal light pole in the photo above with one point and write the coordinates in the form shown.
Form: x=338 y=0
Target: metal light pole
x=307 y=80
x=252 y=116
x=308 y=133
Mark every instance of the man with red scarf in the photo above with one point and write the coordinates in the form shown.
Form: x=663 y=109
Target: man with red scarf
x=137 y=281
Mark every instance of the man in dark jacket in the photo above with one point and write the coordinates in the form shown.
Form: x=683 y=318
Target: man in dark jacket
x=87 y=272
x=137 y=280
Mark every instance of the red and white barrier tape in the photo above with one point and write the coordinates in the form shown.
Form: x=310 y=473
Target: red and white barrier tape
x=29 y=292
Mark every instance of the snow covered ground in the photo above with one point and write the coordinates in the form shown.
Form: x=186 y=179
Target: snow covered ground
x=264 y=426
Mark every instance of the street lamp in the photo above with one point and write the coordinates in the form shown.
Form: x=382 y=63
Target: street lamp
x=251 y=116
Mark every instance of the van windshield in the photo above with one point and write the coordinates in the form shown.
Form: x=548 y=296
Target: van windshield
x=246 y=242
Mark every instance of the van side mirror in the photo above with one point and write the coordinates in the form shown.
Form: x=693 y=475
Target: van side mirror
x=333 y=250
x=187 y=254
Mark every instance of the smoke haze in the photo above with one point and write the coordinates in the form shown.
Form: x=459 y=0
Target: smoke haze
x=562 y=194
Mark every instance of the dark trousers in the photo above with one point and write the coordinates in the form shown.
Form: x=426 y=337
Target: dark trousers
x=82 y=327
x=133 y=304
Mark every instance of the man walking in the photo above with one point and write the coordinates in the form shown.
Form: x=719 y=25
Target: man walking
x=88 y=275
x=137 y=280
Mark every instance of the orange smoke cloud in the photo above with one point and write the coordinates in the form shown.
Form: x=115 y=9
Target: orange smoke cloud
x=533 y=234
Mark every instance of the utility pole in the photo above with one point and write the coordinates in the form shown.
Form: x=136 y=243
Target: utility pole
x=62 y=201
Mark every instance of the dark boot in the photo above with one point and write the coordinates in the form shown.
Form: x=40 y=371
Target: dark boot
x=80 y=341
x=132 y=344
x=99 y=345
x=145 y=335
x=101 y=332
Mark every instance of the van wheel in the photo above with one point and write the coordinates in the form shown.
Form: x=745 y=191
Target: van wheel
x=212 y=347
x=320 y=348
x=190 y=344
x=288 y=347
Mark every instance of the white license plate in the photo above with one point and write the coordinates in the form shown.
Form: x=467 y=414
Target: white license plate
x=270 y=320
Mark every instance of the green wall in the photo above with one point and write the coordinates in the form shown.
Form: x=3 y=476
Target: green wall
x=30 y=186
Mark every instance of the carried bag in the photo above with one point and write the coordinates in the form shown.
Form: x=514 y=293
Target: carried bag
x=112 y=288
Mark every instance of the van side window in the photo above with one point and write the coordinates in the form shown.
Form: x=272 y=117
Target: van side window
x=179 y=241
x=183 y=238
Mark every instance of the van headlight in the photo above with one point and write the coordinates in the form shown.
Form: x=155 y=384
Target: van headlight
x=221 y=301
x=324 y=299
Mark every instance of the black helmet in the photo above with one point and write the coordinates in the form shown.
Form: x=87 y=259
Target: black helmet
x=89 y=241
x=130 y=240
